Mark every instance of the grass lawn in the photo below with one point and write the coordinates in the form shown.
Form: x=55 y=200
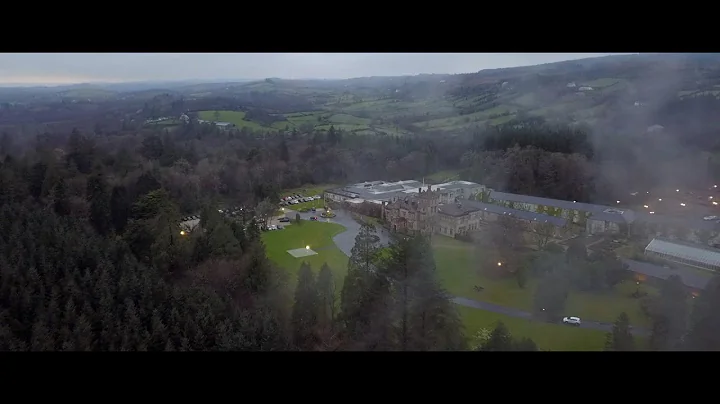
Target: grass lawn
x=457 y=263
x=550 y=337
x=318 y=235
x=442 y=176
x=306 y=206
x=235 y=117
x=308 y=190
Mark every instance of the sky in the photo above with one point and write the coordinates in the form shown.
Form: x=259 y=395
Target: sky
x=70 y=68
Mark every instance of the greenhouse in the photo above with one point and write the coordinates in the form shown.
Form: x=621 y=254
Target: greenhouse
x=683 y=253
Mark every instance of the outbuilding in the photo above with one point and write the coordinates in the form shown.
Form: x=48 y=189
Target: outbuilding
x=684 y=253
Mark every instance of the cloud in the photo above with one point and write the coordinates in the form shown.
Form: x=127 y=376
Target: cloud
x=56 y=68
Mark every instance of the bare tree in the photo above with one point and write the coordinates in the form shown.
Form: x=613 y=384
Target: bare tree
x=543 y=232
x=265 y=210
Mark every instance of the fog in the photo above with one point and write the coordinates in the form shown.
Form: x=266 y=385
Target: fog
x=68 y=68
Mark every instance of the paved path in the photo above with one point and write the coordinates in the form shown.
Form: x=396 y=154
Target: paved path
x=513 y=312
x=346 y=240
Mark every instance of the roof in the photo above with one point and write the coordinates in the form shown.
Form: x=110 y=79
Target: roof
x=686 y=251
x=499 y=210
x=456 y=210
x=599 y=212
x=688 y=276
x=448 y=186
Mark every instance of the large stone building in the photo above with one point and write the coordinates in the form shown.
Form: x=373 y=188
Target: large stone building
x=600 y=219
x=466 y=216
x=412 y=213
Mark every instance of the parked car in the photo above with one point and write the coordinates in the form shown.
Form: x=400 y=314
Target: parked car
x=313 y=218
x=313 y=209
x=272 y=227
x=284 y=219
x=280 y=227
x=572 y=321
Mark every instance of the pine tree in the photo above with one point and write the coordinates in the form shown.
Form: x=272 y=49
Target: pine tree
x=500 y=339
x=704 y=333
x=361 y=271
x=99 y=198
x=304 y=316
x=668 y=313
x=326 y=298
x=620 y=339
x=423 y=315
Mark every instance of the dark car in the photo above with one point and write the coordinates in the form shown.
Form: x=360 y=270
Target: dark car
x=284 y=219
x=313 y=218
x=313 y=209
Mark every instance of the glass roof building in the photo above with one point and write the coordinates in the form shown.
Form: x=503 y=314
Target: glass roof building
x=685 y=253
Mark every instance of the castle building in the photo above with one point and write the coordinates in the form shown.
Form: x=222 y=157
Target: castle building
x=413 y=213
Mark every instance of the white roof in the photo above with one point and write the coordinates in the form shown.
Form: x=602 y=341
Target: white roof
x=696 y=254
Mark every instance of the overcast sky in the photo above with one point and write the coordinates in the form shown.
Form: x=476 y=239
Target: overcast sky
x=65 y=68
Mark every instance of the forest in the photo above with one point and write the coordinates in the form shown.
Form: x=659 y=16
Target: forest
x=91 y=257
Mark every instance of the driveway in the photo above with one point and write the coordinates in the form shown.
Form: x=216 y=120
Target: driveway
x=345 y=240
x=512 y=312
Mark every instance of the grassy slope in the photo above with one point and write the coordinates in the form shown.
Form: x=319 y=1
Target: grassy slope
x=457 y=262
x=318 y=235
x=549 y=337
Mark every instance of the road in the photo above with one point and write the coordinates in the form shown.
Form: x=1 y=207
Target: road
x=513 y=312
x=346 y=240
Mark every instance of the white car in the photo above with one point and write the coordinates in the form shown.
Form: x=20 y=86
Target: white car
x=572 y=321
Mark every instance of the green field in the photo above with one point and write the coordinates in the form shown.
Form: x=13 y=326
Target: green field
x=317 y=235
x=457 y=264
x=551 y=337
x=235 y=117
x=441 y=177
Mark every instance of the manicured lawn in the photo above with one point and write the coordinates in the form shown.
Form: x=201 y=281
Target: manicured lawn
x=457 y=266
x=442 y=176
x=550 y=337
x=306 y=206
x=308 y=190
x=317 y=235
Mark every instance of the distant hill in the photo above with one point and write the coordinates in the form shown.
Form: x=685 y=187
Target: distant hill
x=628 y=91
